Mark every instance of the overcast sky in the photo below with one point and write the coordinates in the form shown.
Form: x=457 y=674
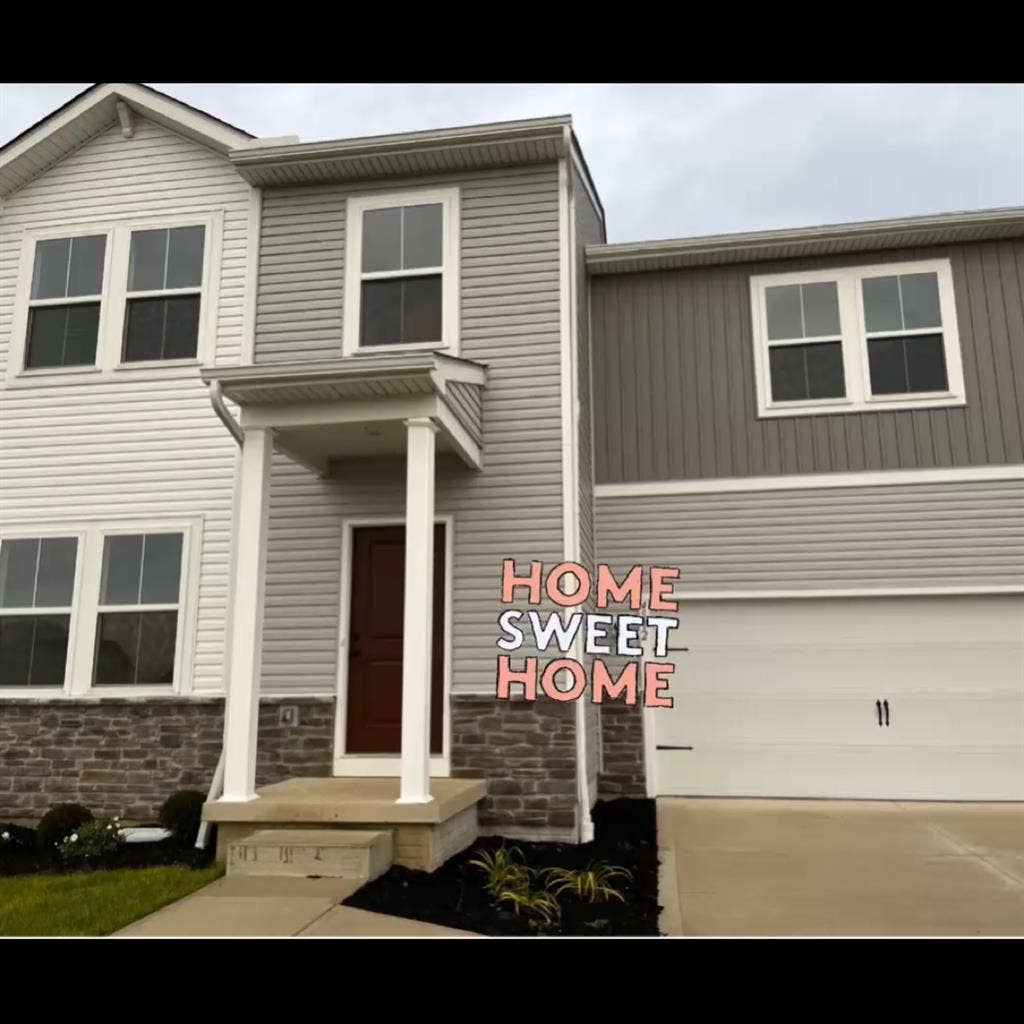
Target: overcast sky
x=672 y=161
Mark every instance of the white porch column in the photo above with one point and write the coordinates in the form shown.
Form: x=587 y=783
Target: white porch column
x=419 y=611
x=241 y=712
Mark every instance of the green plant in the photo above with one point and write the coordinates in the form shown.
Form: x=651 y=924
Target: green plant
x=60 y=821
x=14 y=837
x=504 y=869
x=592 y=883
x=92 y=839
x=182 y=813
x=539 y=905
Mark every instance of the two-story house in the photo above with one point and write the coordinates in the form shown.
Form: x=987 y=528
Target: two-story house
x=274 y=413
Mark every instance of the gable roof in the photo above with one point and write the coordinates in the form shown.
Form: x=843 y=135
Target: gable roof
x=65 y=129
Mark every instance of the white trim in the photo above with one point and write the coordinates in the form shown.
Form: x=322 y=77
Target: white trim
x=451 y=233
x=783 y=595
x=78 y=680
x=854 y=340
x=252 y=274
x=389 y=765
x=812 y=481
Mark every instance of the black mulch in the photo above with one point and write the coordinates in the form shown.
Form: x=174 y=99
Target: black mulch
x=21 y=855
x=625 y=836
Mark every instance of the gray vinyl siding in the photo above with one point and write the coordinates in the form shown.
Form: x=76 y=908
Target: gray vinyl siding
x=674 y=377
x=138 y=444
x=510 y=509
x=466 y=401
x=920 y=535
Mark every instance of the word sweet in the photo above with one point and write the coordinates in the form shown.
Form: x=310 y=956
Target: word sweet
x=568 y=585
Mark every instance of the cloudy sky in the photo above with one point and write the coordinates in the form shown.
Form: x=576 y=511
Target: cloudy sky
x=672 y=161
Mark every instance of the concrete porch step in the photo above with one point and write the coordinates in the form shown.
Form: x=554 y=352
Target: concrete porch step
x=300 y=853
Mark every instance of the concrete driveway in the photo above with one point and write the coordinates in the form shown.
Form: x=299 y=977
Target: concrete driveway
x=823 y=867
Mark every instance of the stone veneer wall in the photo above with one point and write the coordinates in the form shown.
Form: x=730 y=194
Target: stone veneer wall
x=622 y=737
x=125 y=756
x=527 y=752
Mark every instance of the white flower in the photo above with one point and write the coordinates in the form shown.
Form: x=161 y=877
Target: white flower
x=109 y=827
x=120 y=831
x=74 y=837
x=6 y=835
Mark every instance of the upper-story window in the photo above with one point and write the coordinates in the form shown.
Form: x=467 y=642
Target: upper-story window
x=165 y=276
x=401 y=274
x=856 y=338
x=64 y=308
x=119 y=296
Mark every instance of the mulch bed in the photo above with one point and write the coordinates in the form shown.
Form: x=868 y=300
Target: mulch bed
x=22 y=855
x=454 y=895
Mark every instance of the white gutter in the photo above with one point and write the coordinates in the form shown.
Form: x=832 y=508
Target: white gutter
x=217 y=782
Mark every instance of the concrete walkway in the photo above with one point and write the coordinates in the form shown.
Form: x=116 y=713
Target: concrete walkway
x=820 y=867
x=248 y=906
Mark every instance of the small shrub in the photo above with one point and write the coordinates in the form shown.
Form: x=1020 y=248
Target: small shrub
x=592 y=883
x=539 y=905
x=504 y=869
x=60 y=821
x=92 y=839
x=182 y=813
x=15 y=838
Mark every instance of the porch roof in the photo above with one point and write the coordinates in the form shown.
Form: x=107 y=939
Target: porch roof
x=355 y=406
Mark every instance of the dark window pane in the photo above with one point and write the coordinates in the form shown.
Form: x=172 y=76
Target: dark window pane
x=85 y=276
x=882 y=304
x=422 y=309
x=185 y=258
x=156 y=647
x=821 y=309
x=786 y=363
x=18 y=560
x=122 y=566
x=62 y=335
x=825 y=370
x=801 y=372
x=421 y=240
x=926 y=363
x=381 y=313
x=382 y=240
x=50 y=650
x=117 y=648
x=181 y=327
x=144 y=329
x=47 y=326
x=50 y=270
x=783 y=307
x=887 y=366
x=56 y=582
x=161 y=568
x=920 y=300
x=16 y=632
x=148 y=260
x=83 y=329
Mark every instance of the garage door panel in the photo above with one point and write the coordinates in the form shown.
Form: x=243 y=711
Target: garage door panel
x=817 y=666
x=777 y=698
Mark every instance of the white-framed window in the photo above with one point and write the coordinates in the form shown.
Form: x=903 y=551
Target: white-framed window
x=402 y=271
x=37 y=588
x=125 y=295
x=853 y=339
x=113 y=604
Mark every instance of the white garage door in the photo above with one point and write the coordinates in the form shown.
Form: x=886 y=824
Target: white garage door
x=897 y=698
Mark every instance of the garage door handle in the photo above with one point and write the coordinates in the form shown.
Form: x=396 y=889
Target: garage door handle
x=885 y=704
x=878 y=708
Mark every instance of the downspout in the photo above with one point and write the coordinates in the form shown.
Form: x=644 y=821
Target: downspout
x=217 y=782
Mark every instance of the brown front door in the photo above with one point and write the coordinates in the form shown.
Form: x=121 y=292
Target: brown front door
x=374 y=724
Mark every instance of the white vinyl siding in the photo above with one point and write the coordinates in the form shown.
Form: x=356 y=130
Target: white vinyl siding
x=139 y=443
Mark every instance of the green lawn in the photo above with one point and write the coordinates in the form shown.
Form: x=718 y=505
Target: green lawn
x=97 y=903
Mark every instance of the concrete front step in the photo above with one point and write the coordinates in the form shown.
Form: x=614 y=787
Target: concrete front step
x=301 y=853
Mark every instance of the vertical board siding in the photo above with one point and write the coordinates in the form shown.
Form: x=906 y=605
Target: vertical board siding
x=133 y=444
x=920 y=535
x=675 y=391
x=511 y=509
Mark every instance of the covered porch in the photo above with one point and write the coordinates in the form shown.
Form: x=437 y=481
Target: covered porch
x=360 y=407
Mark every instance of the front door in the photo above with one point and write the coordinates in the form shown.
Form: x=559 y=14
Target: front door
x=374 y=706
